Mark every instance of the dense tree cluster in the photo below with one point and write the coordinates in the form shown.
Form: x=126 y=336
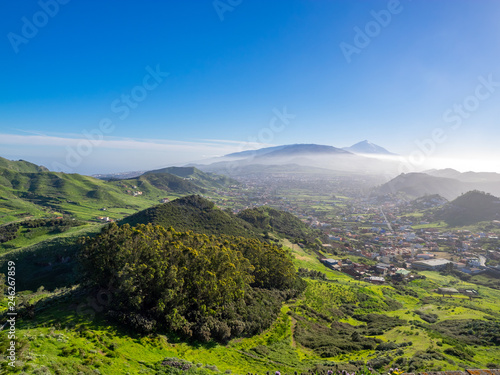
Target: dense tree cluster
x=194 y=284
x=283 y=223
x=194 y=213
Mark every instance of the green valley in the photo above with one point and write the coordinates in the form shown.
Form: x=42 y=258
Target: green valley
x=189 y=285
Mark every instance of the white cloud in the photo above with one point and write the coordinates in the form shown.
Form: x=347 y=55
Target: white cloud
x=119 y=143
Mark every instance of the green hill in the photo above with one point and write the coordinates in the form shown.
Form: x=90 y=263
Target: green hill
x=206 y=180
x=470 y=208
x=21 y=166
x=28 y=190
x=151 y=182
x=196 y=214
x=280 y=222
x=43 y=194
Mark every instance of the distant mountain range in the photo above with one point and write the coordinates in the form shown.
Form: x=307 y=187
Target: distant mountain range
x=448 y=183
x=363 y=147
x=289 y=150
x=308 y=156
x=294 y=158
x=489 y=177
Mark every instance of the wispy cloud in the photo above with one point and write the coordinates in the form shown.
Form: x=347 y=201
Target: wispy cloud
x=41 y=140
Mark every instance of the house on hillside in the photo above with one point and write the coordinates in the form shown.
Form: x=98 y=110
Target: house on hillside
x=333 y=264
x=378 y=280
x=448 y=291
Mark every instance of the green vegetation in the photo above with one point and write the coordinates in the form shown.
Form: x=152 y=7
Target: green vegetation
x=194 y=213
x=191 y=284
x=48 y=194
x=20 y=234
x=283 y=223
x=50 y=263
x=150 y=183
x=189 y=288
x=28 y=191
x=21 y=166
x=203 y=179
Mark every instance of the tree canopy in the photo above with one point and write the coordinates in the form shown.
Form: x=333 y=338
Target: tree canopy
x=194 y=284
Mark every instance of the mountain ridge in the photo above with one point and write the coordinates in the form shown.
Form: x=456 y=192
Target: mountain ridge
x=418 y=184
x=366 y=147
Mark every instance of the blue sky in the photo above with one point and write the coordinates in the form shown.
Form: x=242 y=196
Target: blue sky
x=225 y=69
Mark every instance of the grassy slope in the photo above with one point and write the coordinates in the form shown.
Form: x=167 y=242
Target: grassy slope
x=113 y=350
x=21 y=166
x=206 y=180
x=48 y=194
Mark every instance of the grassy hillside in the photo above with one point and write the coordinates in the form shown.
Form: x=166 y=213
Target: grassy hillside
x=206 y=180
x=196 y=214
x=21 y=166
x=47 y=255
x=43 y=194
x=152 y=182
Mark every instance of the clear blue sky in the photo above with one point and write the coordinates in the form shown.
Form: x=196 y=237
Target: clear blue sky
x=231 y=69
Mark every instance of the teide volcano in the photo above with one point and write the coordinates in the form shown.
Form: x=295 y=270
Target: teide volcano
x=304 y=155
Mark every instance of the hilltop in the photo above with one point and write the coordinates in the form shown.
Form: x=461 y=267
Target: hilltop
x=366 y=147
x=21 y=166
x=193 y=213
x=200 y=215
x=470 y=208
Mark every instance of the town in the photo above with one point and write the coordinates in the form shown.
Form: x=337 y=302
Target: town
x=390 y=235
